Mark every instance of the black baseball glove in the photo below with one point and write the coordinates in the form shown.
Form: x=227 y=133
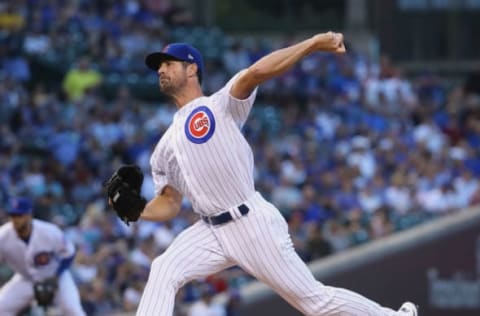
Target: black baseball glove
x=44 y=291
x=123 y=189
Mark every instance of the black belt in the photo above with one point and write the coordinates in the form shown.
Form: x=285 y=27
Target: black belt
x=224 y=217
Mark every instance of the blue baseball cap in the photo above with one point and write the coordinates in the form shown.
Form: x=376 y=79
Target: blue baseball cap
x=176 y=51
x=20 y=206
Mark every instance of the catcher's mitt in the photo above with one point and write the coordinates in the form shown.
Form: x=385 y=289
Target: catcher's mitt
x=123 y=189
x=44 y=291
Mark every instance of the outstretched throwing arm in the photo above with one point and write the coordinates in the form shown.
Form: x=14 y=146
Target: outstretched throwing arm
x=281 y=60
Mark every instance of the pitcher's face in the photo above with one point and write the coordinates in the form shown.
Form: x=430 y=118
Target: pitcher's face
x=172 y=76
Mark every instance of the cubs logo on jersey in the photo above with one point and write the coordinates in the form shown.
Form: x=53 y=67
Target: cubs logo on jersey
x=200 y=125
x=42 y=258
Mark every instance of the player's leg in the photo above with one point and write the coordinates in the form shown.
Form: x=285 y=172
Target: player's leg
x=15 y=295
x=194 y=254
x=262 y=246
x=67 y=297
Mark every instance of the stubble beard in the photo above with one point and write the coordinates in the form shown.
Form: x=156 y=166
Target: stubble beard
x=170 y=87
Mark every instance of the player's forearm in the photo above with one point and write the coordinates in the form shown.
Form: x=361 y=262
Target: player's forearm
x=161 y=208
x=282 y=60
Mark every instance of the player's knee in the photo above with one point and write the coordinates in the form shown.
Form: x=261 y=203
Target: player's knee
x=9 y=311
x=158 y=263
x=12 y=307
x=165 y=264
x=165 y=270
x=318 y=302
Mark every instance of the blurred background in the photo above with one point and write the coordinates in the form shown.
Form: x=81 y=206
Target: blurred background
x=356 y=151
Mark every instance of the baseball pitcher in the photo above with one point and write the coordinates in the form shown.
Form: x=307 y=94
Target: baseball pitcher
x=204 y=157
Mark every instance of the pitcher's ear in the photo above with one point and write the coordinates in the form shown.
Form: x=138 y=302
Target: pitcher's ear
x=192 y=69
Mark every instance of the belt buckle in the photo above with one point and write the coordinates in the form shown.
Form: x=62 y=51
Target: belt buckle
x=209 y=220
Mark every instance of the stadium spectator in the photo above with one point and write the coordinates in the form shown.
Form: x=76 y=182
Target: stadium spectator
x=80 y=79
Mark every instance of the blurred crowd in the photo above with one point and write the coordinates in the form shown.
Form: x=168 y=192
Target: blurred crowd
x=347 y=147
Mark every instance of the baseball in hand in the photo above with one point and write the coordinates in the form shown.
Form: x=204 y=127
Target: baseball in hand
x=330 y=42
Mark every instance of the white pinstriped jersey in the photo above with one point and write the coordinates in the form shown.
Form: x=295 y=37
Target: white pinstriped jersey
x=39 y=258
x=204 y=155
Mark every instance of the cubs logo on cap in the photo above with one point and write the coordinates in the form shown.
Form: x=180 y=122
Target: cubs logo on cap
x=20 y=206
x=200 y=125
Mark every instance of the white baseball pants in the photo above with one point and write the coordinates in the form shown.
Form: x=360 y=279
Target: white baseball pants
x=259 y=243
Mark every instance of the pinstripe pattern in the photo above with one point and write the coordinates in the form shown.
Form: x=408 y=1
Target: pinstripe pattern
x=221 y=174
x=261 y=245
x=163 y=159
x=213 y=168
x=195 y=253
x=213 y=175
